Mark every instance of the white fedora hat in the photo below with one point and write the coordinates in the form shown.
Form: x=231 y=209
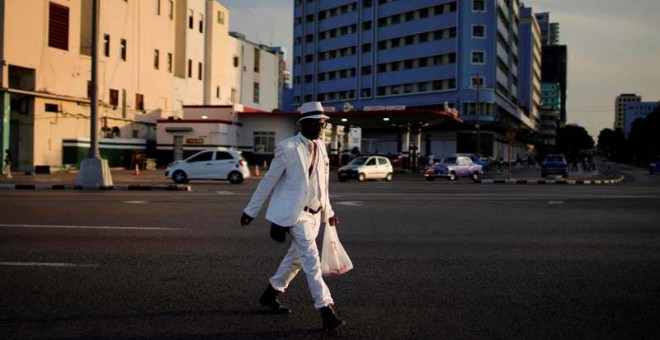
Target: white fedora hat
x=312 y=110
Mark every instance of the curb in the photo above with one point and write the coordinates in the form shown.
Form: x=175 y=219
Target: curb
x=126 y=187
x=545 y=181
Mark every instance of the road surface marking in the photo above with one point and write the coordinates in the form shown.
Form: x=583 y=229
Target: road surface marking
x=135 y=202
x=225 y=193
x=82 y=227
x=556 y=202
x=46 y=264
x=351 y=203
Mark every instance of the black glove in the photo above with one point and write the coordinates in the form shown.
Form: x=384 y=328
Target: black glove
x=246 y=219
x=278 y=232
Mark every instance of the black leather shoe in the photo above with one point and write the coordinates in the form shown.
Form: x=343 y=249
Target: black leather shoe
x=330 y=320
x=269 y=299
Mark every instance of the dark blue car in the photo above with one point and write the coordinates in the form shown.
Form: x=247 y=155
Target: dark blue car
x=654 y=167
x=554 y=165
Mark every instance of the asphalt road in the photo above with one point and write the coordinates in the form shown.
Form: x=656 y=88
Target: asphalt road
x=432 y=260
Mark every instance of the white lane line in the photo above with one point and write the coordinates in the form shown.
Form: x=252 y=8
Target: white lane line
x=135 y=202
x=351 y=203
x=227 y=193
x=46 y=264
x=555 y=202
x=82 y=227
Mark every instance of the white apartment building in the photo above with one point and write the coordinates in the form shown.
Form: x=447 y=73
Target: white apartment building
x=620 y=108
x=154 y=58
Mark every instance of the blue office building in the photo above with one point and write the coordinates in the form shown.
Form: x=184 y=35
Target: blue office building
x=637 y=110
x=421 y=55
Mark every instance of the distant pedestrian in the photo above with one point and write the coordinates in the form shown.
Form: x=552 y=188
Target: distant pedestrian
x=7 y=168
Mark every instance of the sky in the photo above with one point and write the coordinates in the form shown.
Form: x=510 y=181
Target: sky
x=613 y=48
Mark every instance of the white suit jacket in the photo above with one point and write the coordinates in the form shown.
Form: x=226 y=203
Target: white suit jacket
x=288 y=180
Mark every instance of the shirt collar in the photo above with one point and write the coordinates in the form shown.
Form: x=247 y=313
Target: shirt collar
x=305 y=141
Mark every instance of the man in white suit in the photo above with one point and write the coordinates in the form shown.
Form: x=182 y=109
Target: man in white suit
x=298 y=179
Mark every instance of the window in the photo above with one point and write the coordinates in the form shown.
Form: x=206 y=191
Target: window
x=58 y=26
x=222 y=155
x=171 y=10
x=200 y=69
x=477 y=81
x=169 y=62
x=257 y=56
x=217 y=91
x=478 y=31
x=201 y=23
x=478 y=5
x=139 y=102
x=478 y=57
x=264 y=142
x=190 y=20
x=157 y=7
x=114 y=97
x=156 y=59
x=221 y=18
x=235 y=62
x=106 y=45
x=202 y=157
x=189 y=68
x=123 y=49
x=255 y=93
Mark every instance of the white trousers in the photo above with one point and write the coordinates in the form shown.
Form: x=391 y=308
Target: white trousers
x=304 y=254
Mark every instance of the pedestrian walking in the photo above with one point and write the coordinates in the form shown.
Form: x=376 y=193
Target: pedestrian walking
x=298 y=179
x=7 y=167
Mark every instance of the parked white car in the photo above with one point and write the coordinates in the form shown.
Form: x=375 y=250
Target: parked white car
x=213 y=164
x=367 y=167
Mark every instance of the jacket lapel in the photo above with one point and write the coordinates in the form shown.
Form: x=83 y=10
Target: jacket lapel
x=302 y=155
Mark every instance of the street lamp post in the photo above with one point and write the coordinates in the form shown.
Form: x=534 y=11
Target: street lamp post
x=94 y=171
x=477 y=126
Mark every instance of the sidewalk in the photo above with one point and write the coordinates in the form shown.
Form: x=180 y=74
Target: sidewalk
x=523 y=174
x=122 y=179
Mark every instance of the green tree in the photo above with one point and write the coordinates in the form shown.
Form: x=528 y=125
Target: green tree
x=572 y=138
x=643 y=138
x=612 y=144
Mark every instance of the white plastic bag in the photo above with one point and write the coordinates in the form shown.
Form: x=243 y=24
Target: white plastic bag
x=334 y=259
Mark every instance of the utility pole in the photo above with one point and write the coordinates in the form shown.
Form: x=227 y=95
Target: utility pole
x=477 y=126
x=94 y=171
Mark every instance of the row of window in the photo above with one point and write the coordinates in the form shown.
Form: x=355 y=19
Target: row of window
x=365 y=3
x=443 y=59
x=385 y=44
x=338 y=53
x=123 y=47
x=414 y=39
x=417 y=14
x=333 y=33
x=411 y=88
x=420 y=87
x=114 y=97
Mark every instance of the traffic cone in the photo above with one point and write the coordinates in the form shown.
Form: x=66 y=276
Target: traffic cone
x=256 y=171
x=137 y=170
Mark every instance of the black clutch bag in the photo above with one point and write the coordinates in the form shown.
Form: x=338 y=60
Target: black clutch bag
x=278 y=232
